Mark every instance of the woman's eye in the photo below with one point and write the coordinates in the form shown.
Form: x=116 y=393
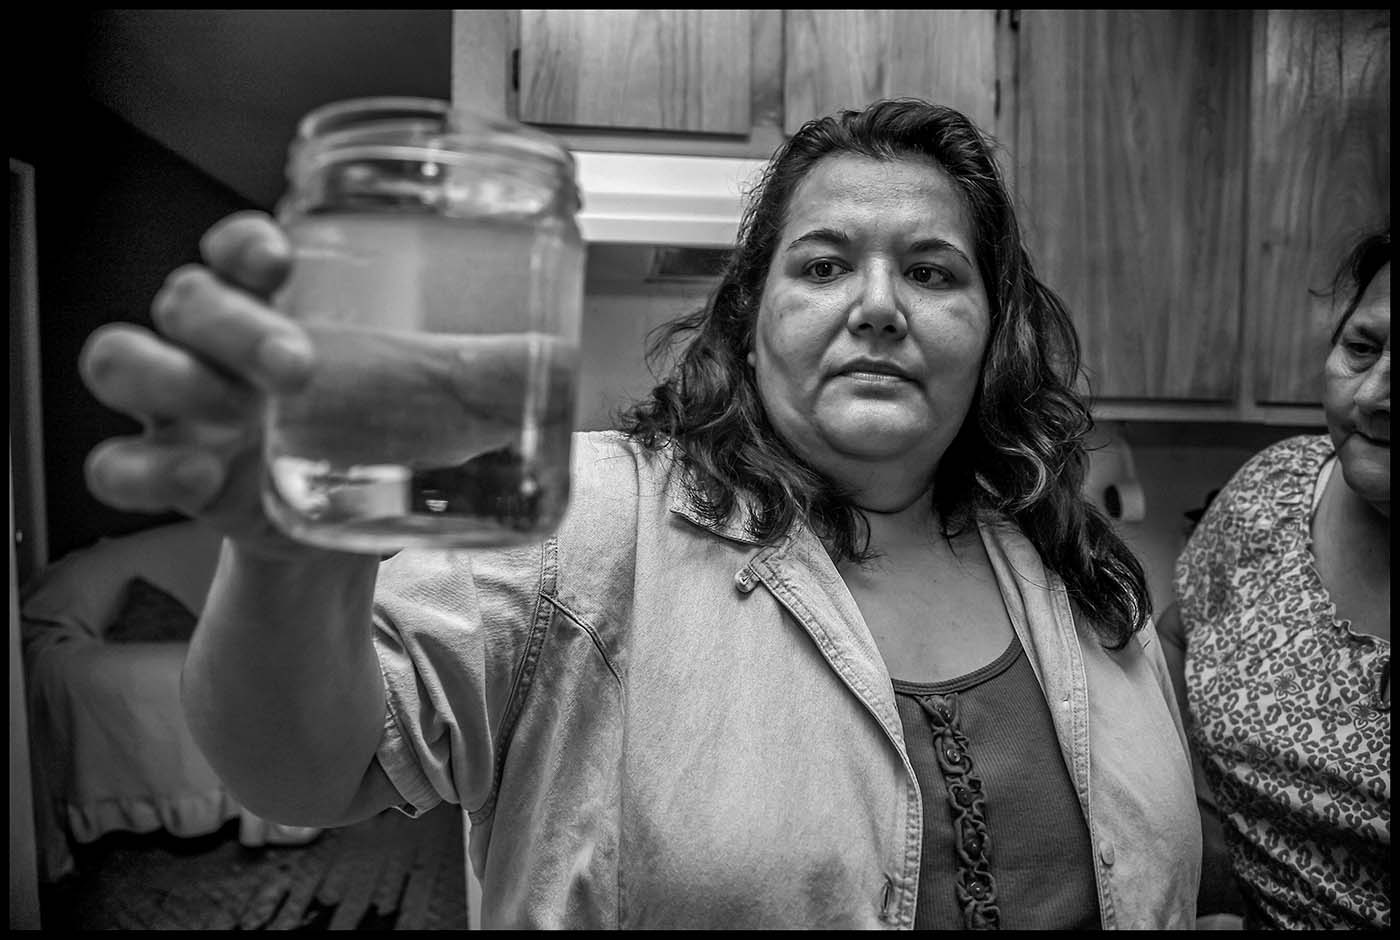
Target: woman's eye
x=929 y=276
x=1359 y=349
x=822 y=269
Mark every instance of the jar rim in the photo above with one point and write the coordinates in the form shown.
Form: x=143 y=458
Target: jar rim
x=319 y=120
x=333 y=125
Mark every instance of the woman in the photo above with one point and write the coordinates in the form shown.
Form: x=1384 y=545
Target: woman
x=827 y=639
x=1280 y=645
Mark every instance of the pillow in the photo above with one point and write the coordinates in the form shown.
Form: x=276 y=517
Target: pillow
x=150 y=615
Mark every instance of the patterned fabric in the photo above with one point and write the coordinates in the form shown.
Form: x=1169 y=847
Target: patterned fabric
x=1286 y=703
x=976 y=886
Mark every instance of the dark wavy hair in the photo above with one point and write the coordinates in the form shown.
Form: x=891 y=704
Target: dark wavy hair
x=1020 y=452
x=1361 y=265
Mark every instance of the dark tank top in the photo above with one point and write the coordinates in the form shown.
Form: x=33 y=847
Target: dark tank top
x=1005 y=843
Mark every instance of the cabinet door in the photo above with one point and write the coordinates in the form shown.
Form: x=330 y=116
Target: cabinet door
x=838 y=59
x=1130 y=156
x=1320 y=178
x=661 y=70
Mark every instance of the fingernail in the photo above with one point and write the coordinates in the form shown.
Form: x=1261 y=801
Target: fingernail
x=283 y=357
x=267 y=262
x=262 y=254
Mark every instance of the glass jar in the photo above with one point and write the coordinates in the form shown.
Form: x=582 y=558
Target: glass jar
x=438 y=269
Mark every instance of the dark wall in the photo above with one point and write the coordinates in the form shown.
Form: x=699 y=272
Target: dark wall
x=116 y=212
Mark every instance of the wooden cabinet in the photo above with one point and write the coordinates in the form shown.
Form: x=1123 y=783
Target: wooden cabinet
x=1319 y=177
x=699 y=82
x=1187 y=179
x=1131 y=145
x=666 y=70
x=834 y=59
x=717 y=82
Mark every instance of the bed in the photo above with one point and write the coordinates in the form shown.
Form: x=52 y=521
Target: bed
x=104 y=633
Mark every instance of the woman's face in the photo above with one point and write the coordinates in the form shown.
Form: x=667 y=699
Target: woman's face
x=1357 y=395
x=874 y=319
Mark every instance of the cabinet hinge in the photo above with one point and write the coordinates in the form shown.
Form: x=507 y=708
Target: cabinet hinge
x=515 y=69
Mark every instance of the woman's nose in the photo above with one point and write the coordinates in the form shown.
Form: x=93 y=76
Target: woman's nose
x=876 y=309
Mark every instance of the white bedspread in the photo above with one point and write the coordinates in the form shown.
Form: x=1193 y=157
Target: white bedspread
x=108 y=739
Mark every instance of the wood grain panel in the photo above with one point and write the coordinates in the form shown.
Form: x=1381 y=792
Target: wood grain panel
x=1130 y=162
x=482 y=41
x=1321 y=177
x=766 y=58
x=835 y=59
x=666 y=70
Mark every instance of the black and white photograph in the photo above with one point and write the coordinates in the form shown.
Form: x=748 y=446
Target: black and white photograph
x=700 y=470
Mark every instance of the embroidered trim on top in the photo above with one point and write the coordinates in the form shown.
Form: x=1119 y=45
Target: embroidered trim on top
x=976 y=887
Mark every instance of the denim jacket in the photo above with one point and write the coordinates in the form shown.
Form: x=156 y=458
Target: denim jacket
x=656 y=723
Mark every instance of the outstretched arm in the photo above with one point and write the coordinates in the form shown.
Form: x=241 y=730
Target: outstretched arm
x=281 y=684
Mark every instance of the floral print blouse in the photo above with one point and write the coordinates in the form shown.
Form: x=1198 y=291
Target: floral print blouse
x=1288 y=709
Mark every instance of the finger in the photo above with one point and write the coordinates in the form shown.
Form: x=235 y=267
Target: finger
x=233 y=329
x=134 y=475
x=248 y=249
x=130 y=369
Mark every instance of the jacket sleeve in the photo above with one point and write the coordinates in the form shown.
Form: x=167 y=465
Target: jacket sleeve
x=461 y=634
x=453 y=630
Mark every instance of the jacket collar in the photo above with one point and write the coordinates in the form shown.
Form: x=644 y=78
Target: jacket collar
x=681 y=501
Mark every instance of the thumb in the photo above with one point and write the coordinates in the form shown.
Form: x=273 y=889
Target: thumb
x=250 y=250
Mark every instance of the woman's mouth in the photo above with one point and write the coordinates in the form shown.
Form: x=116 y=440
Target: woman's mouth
x=874 y=370
x=1373 y=441
x=863 y=376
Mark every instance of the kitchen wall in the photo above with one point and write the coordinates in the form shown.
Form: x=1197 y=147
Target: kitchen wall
x=115 y=213
x=615 y=328
x=225 y=88
x=1177 y=465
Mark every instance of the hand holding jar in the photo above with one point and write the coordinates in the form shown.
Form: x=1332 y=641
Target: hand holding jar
x=429 y=264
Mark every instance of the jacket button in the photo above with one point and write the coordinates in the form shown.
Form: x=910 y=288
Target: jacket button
x=1106 y=853
x=745 y=580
